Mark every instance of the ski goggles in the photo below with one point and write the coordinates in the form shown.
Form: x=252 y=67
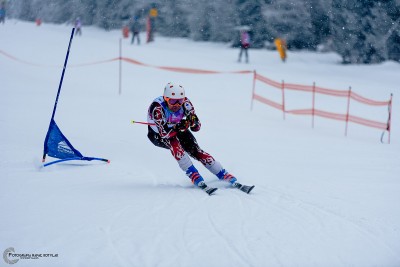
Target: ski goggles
x=174 y=102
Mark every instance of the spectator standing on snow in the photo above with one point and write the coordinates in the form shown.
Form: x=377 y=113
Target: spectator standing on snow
x=135 y=29
x=78 y=26
x=2 y=12
x=172 y=118
x=244 y=45
x=281 y=47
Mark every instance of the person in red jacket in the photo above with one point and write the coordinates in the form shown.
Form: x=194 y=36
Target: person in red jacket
x=172 y=120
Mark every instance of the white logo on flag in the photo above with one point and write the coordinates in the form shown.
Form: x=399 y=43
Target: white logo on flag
x=64 y=148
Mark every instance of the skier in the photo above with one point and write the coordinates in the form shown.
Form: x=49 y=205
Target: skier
x=78 y=26
x=244 y=45
x=170 y=117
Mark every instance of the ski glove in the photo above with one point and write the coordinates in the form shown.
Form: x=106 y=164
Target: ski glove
x=182 y=126
x=194 y=123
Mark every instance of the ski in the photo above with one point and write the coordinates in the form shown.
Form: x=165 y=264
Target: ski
x=210 y=190
x=207 y=189
x=245 y=188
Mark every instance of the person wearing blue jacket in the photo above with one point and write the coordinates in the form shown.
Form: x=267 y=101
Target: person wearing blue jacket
x=2 y=12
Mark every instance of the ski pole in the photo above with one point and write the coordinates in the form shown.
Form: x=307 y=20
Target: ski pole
x=140 y=122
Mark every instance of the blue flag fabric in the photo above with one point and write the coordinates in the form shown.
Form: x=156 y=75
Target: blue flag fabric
x=56 y=145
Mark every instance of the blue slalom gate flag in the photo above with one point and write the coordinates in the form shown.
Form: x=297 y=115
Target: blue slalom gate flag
x=56 y=145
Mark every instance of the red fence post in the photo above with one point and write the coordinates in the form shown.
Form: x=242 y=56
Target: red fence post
x=120 y=67
x=283 y=99
x=254 y=88
x=390 y=116
x=348 y=110
x=313 y=104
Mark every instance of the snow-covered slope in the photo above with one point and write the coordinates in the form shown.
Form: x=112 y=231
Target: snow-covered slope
x=321 y=199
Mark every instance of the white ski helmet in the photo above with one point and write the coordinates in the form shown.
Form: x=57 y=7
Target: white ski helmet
x=174 y=91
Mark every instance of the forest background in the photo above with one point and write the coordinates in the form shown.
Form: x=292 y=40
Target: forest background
x=360 y=31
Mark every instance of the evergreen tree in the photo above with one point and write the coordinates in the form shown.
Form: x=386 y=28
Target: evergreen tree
x=223 y=20
x=86 y=10
x=25 y=10
x=359 y=29
x=211 y=20
x=292 y=21
x=107 y=14
x=64 y=12
x=320 y=20
x=393 y=42
x=392 y=37
x=250 y=14
x=200 y=13
x=172 y=19
x=30 y=9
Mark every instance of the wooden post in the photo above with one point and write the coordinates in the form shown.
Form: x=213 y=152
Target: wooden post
x=348 y=111
x=283 y=99
x=120 y=67
x=254 y=88
x=390 y=116
x=313 y=104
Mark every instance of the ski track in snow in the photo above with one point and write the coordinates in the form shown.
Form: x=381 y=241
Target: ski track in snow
x=318 y=214
x=237 y=253
x=320 y=199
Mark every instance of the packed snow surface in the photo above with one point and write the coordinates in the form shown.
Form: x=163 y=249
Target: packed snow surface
x=321 y=199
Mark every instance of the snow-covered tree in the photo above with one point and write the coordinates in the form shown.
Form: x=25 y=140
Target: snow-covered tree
x=172 y=19
x=292 y=21
x=223 y=20
x=250 y=13
x=359 y=30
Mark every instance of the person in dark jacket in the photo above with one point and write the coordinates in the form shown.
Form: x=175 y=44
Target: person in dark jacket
x=135 y=29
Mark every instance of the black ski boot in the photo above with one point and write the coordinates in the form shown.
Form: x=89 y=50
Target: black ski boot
x=245 y=188
x=207 y=189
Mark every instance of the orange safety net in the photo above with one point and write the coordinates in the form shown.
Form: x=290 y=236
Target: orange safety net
x=321 y=113
x=257 y=77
